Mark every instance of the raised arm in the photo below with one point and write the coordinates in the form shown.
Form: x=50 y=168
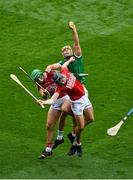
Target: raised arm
x=52 y=67
x=77 y=49
x=72 y=59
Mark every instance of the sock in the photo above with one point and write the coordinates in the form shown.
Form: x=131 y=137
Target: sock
x=73 y=134
x=60 y=134
x=48 y=149
x=78 y=143
x=75 y=141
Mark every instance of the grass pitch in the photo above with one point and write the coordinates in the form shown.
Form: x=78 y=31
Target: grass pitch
x=31 y=35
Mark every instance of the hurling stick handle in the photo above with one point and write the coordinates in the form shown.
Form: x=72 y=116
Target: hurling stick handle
x=130 y=112
x=29 y=93
x=41 y=105
x=13 y=77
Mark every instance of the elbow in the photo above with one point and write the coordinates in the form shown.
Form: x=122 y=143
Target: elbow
x=64 y=65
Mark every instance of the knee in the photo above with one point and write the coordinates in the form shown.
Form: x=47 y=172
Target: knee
x=49 y=126
x=81 y=128
x=89 y=120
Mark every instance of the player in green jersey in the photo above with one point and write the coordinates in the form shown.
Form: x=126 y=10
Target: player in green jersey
x=77 y=68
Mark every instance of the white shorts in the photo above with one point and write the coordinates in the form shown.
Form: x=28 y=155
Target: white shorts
x=59 y=102
x=86 y=91
x=79 y=105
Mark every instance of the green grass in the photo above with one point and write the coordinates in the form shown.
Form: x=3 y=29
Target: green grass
x=31 y=35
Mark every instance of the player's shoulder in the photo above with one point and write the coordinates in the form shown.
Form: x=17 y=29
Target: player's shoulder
x=61 y=62
x=76 y=56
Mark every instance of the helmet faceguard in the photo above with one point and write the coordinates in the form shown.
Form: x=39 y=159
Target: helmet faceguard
x=59 y=78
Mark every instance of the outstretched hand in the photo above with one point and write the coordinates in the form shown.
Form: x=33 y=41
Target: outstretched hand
x=71 y=25
x=72 y=59
x=40 y=102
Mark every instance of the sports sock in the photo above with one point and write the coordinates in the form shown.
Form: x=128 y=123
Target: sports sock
x=73 y=134
x=75 y=141
x=60 y=134
x=48 y=149
x=78 y=143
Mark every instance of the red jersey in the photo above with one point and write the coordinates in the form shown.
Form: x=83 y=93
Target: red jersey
x=73 y=87
x=50 y=85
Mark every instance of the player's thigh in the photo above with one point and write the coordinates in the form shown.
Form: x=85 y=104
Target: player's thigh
x=80 y=121
x=53 y=116
x=63 y=115
x=89 y=114
x=66 y=106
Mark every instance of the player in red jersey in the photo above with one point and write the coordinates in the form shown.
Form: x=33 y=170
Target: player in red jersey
x=80 y=104
x=54 y=113
x=76 y=67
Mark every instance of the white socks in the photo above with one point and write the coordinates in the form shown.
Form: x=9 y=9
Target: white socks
x=60 y=134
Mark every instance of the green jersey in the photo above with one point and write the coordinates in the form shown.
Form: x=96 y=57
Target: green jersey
x=75 y=67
